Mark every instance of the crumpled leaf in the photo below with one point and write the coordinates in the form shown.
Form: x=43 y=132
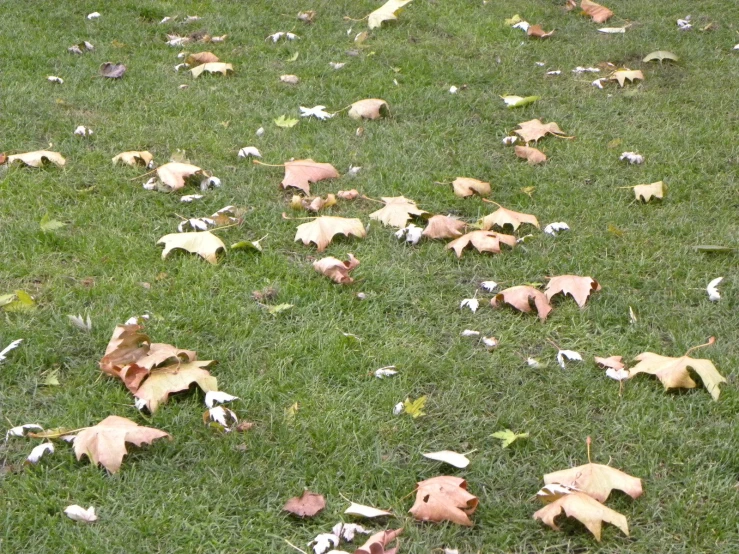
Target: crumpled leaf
x=376 y=543
x=386 y=12
x=163 y=381
x=397 y=211
x=660 y=55
x=335 y=269
x=443 y=227
x=647 y=192
x=533 y=155
x=585 y=509
x=521 y=298
x=503 y=216
x=483 y=241
x=712 y=289
x=321 y=230
x=78 y=513
x=348 y=194
x=38 y=158
x=105 y=443
x=599 y=14
x=370 y=108
x=300 y=173
x=444 y=498
x=308 y=504
x=534 y=129
x=312 y=203
x=203 y=243
x=508 y=437
x=612 y=362
x=538 y=32
x=596 y=480
x=518 y=101
x=467 y=186
x=449 y=457
x=174 y=175
x=215 y=67
x=673 y=372
x=200 y=58
x=134 y=158
x=112 y=70
x=622 y=75
x=578 y=287
x=17 y=301
x=366 y=511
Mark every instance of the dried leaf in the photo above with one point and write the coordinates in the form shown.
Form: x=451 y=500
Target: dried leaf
x=535 y=129
x=78 y=513
x=366 y=511
x=444 y=227
x=444 y=498
x=673 y=372
x=300 y=173
x=336 y=270
x=397 y=211
x=503 y=216
x=622 y=75
x=578 y=287
x=521 y=297
x=215 y=67
x=532 y=155
x=112 y=70
x=660 y=55
x=134 y=158
x=646 y=192
x=163 y=381
x=376 y=543
x=386 y=12
x=200 y=58
x=370 y=108
x=483 y=241
x=348 y=194
x=466 y=186
x=174 y=175
x=588 y=511
x=308 y=504
x=612 y=362
x=449 y=457
x=38 y=158
x=596 y=480
x=537 y=32
x=599 y=14
x=321 y=230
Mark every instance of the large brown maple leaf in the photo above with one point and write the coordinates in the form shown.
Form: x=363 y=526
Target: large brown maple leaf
x=321 y=230
x=585 y=509
x=673 y=372
x=397 y=211
x=163 y=381
x=521 y=298
x=574 y=285
x=596 y=480
x=300 y=174
x=534 y=129
x=483 y=241
x=444 y=498
x=503 y=216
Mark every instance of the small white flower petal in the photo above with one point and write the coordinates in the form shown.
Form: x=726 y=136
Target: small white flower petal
x=510 y=140
x=470 y=333
x=93 y=15
x=347 y=531
x=12 y=346
x=599 y=82
x=471 y=303
x=632 y=157
x=78 y=513
x=211 y=397
x=713 y=294
x=567 y=354
x=191 y=197
x=398 y=408
x=383 y=372
x=260 y=132
x=490 y=342
x=39 y=451
x=20 y=430
x=55 y=79
x=533 y=362
x=488 y=286
x=580 y=69
x=249 y=151
x=523 y=25
x=617 y=374
x=337 y=65
x=323 y=542
x=140 y=403
x=555 y=72
x=556 y=227
x=453 y=90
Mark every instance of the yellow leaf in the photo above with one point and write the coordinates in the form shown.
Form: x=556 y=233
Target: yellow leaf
x=414 y=407
x=386 y=12
x=202 y=243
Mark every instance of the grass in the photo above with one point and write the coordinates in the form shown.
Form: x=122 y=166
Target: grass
x=205 y=492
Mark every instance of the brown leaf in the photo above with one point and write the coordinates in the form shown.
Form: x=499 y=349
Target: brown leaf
x=532 y=155
x=521 y=297
x=105 y=443
x=112 y=70
x=600 y=14
x=376 y=543
x=673 y=372
x=466 y=186
x=312 y=204
x=570 y=5
x=444 y=227
x=444 y=498
x=596 y=480
x=134 y=158
x=588 y=511
x=370 y=108
x=322 y=230
x=126 y=346
x=193 y=60
x=175 y=174
x=3 y=158
x=483 y=241
x=613 y=362
x=38 y=158
x=203 y=243
x=538 y=32
x=300 y=173
x=623 y=74
x=646 y=192
x=574 y=285
x=502 y=217
x=170 y=379
x=307 y=504
x=336 y=270
x=348 y=194
x=397 y=211
x=535 y=129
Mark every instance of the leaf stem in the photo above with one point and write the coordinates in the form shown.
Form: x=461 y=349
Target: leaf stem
x=371 y=199
x=295 y=547
x=285 y=216
x=588 y=441
x=144 y=175
x=550 y=341
x=491 y=202
x=257 y=162
x=709 y=343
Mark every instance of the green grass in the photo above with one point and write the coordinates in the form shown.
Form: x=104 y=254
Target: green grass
x=205 y=492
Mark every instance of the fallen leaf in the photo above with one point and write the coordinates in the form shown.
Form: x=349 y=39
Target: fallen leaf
x=386 y=12
x=646 y=192
x=376 y=543
x=466 y=186
x=366 y=511
x=112 y=70
x=134 y=158
x=414 y=407
x=612 y=362
x=521 y=298
x=104 y=443
x=518 y=101
x=163 y=381
x=312 y=203
x=78 y=513
x=586 y=510
x=370 y=108
x=336 y=270
x=660 y=55
x=348 y=194
x=673 y=372
x=278 y=309
x=503 y=216
x=49 y=225
x=174 y=175
x=291 y=80
x=38 y=158
x=17 y=301
x=449 y=457
x=549 y=493
x=537 y=32
x=444 y=498
x=301 y=173
x=622 y=75
x=397 y=211
x=530 y=154
x=203 y=243
x=534 y=129
x=483 y=241
x=308 y=504
x=596 y=481
x=216 y=67
x=286 y=122
x=200 y=58
x=307 y=16
x=599 y=14
x=508 y=437
x=578 y=287
x=321 y=230
x=443 y=227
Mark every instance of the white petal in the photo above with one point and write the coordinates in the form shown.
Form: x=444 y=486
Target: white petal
x=383 y=372
x=249 y=151
x=212 y=397
x=39 y=451
x=736 y=47
x=617 y=374
x=365 y=511
x=449 y=457
x=598 y=83
x=471 y=303
x=398 y=408
x=580 y=69
x=354 y=170
x=414 y=234
x=348 y=530
x=570 y=355
x=490 y=342
x=79 y=322
x=555 y=72
x=165 y=20
x=260 y=132
x=221 y=415
x=13 y=345
x=556 y=227
x=470 y=333
x=55 y=79
x=533 y=362
x=191 y=197
x=540 y=64
x=140 y=403
x=93 y=15
x=488 y=286
x=510 y=140
x=453 y=90
x=523 y=25
x=323 y=542
x=20 y=431
x=337 y=65
x=291 y=36
x=78 y=513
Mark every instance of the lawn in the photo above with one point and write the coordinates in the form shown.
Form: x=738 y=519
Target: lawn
x=206 y=491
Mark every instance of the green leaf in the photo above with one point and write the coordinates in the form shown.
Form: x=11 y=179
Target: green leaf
x=51 y=379
x=279 y=308
x=660 y=55
x=413 y=407
x=714 y=248
x=20 y=301
x=508 y=437
x=518 y=101
x=294 y=57
x=48 y=225
x=247 y=245
x=285 y=122
x=513 y=20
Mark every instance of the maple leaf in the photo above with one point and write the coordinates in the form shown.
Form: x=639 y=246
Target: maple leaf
x=216 y=67
x=397 y=211
x=134 y=158
x=370 y=108
x=174 y=175
x=466 y=186
x=503 y=216
x=200 y=58
x=599 y=14
x=673 y=372
x=112 y=70
x=585 y=509
x=535 y=129
x=300 y=173
x=537 y=32
x=167 y=380
x=105 y=443
x=578 y=287
x=521 y=297
x=612 y=362
x=444 y=227
x=646 y=192
x=336 y=270
x=533 y=155
x=596 y=480
x=386 y=12
x=322 y=230
x=448 y=457
x=376 y=543
x=307 y=504
x=38 y=158
x=622 y=74
x=444 y=498
x=286 y=122
x=203 y=243
x=126 y=346
x=312 y=204
x=414 y=407
x=483 y=241
x=508 y=437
